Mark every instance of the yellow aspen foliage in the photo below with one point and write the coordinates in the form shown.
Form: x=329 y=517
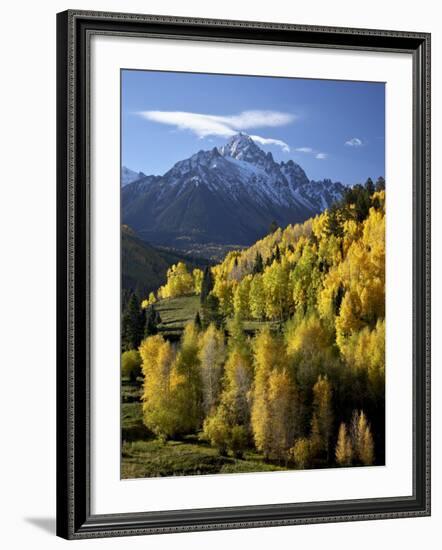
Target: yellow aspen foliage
x=378 y=200
x=157 y=357
x=266 y=351
x=309 y=345
x=197 y=275
x=277 y=290
x=320 y=225
x=306 y=279
x=282 y=399
x=179 y=282
x=329 y=251
x=257 y=298
x=366 y=454
x=306 y=337
x=349 y=319
x=273 y=423
x=238 y=377
x=149 y=301
x=362 y=438
x=224 y=291
x=322 y=409
x=216 y=430
x=227 y=427
x=131 y=364
x=327 y=299
x=241 y=300
x=186 y=383
x=352 y=232
x=320 y=286
x=301 y=453
x=365 y=350
x=211 y=354
x=344 y=449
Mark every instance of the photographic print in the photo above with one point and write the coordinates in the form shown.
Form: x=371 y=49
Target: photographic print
x=252 y=274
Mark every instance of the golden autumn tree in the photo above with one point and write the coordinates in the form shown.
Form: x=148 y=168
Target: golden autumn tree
x=362 y=438
x=149 y=301
x=186 y=384
x=323 y=410
x=227 y=427
x=282 y=402
x=365 y=351
x=224 y=290
x=344 y=448
x=179 y=282
x=274 y=397
x=157 y=357
x=197 y=275
x=257 y=298
x=277 y=290
x=301 y=453
x=241 y=298
x=306 y=279
x=211 y=354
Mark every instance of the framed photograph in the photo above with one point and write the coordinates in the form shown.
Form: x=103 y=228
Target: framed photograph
x=243 y=274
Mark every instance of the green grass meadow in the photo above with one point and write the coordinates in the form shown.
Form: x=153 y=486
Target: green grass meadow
x=145 y=456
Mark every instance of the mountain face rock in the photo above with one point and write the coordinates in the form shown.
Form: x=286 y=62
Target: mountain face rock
x=224 y=197
x=128 y=176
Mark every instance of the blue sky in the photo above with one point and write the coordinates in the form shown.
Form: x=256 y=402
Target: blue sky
x=333 y=129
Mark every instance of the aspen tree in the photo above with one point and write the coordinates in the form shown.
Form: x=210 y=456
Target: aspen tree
x=344 y=450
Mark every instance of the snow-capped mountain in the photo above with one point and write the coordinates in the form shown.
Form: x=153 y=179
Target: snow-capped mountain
x=226 y=196
x=128 y=176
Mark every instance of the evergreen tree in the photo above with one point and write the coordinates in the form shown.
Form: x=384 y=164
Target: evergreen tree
x=210 y=311
x=369 y=186
x=380 y=184
x=206 y=285
x=197 y=320
x=258 y=266
x=277 y=254
x=273 y=227
x=153 y=319
x=132 y=324
x=334 y=225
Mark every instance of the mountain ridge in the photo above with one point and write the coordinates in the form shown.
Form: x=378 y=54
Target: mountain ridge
x=223 y=197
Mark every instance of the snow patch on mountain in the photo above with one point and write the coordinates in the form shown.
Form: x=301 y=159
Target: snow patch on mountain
x=129 y=176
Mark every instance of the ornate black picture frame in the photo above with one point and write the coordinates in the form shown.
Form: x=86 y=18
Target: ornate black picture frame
x=74 y=518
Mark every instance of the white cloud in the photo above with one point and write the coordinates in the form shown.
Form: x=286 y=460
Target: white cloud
x=271 y=141
x=203 y=125
x=310 y=150
x=354 y=142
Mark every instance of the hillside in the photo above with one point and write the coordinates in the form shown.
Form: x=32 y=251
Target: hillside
x=144 y=267
x=276 y=353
